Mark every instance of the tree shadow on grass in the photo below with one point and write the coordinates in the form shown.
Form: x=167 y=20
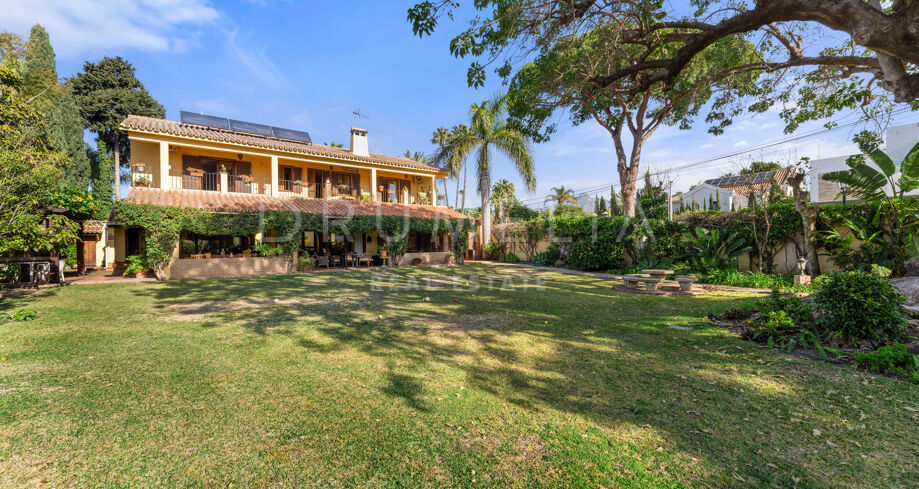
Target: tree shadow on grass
x=570 y=345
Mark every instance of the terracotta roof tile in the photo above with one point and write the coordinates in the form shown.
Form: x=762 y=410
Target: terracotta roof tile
x=93 y=227
x=216 y=201
x=184 y=129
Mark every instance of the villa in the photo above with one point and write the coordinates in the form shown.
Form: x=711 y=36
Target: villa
x=227 y=166
x=730 y=193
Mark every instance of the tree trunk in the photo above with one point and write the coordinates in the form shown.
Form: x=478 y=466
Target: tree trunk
x=808 y=221
x=485 y=185
x=81 y=257
x=117 y=169
x=628 y=180
x=446 y=196
x=456 y=196
x=463 y=204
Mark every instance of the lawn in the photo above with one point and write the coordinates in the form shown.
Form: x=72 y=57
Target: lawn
x=427 y=378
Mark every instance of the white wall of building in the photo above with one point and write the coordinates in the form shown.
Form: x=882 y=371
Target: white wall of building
x=899 y=140
x=704 y=193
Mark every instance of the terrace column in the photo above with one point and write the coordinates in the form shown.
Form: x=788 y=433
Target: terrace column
x=164 y=165
x=274 y=176
x=373 y=185
x=434 y=190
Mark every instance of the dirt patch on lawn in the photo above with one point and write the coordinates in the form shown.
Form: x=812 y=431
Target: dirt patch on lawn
x=190 y=311
x=464 y=322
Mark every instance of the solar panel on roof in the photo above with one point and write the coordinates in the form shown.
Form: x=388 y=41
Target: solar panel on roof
x=204 y=120
x=243 y=126
x=250 y=127
x=292 y=134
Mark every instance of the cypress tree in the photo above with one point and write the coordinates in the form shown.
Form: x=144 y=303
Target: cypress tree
x=102 y=171
x=64 y=128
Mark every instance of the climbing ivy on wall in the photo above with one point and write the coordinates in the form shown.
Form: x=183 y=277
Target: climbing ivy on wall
x=163 y=226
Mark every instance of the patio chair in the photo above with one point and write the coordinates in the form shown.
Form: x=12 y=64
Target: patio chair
x=335 y=260
x=322 y=261
x=365 y=257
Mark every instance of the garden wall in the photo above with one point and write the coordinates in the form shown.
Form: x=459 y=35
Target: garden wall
x=191 y=268
x=429 y=258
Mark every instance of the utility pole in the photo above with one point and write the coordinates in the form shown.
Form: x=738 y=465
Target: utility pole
x=670 y=200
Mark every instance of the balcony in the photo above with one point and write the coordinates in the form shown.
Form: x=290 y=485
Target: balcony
x=226 y=182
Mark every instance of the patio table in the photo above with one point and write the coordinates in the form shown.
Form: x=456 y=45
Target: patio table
x=657 y=274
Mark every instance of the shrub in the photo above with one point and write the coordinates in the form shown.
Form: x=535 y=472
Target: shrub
x=861 y=307
x=492 y=248
x=265 y=249
x=797 y=309
x=755 y=280
x=305 y=263
x=596 y=254
x=511 y=258
x=553 y=254
x=541 y=259
x=135 y=264
x=892 y=359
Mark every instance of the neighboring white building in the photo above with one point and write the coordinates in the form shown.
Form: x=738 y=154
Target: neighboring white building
x=730 y=193
x=899 y=140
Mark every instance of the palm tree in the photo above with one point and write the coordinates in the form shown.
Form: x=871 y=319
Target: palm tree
x=418 y=156
x=502 y=193
x=562 y=196
x=333 y=144
x=440 y=137
x=460 y=131
x=489 y=133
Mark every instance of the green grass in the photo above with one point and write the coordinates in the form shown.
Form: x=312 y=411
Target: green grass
x=341 y=384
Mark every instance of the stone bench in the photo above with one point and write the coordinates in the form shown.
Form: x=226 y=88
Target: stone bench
x=642 y=282
x=686 y=282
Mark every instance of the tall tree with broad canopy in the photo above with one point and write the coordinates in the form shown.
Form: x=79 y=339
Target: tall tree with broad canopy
x=631 y=113
x=106 y=93
x=801 y=59
x=488 y=133
x=879 y=54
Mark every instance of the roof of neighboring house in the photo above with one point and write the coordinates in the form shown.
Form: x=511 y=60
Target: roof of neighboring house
x=237 y=202
x=93 y=227
x=741 y=183
x=185 y=129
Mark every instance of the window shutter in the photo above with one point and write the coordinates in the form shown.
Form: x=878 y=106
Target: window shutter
x=356 y=183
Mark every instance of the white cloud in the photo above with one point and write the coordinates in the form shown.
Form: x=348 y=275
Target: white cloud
x=255 y=59
x=78 y=27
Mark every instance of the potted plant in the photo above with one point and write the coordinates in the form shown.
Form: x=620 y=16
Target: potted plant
x=208 y=254
x=246 y=178
x=142 y=181
x=139 y=168
x=136 y=265
x=247 y=253
x=224 y=168
x=195 y=172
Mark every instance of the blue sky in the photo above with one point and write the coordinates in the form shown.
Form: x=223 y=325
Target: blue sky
x=308 y=65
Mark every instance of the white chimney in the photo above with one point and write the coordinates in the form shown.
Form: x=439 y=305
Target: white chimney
x=359 y=142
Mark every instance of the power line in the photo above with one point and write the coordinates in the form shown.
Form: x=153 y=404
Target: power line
x=695 y=164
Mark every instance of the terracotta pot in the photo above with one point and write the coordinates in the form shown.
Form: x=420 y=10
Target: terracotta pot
x=207 y=255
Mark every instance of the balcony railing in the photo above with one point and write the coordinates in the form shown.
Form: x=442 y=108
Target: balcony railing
x=192 y=180
x=246 y=184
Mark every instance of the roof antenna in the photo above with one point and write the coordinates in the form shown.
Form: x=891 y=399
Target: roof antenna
x=356 y=114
